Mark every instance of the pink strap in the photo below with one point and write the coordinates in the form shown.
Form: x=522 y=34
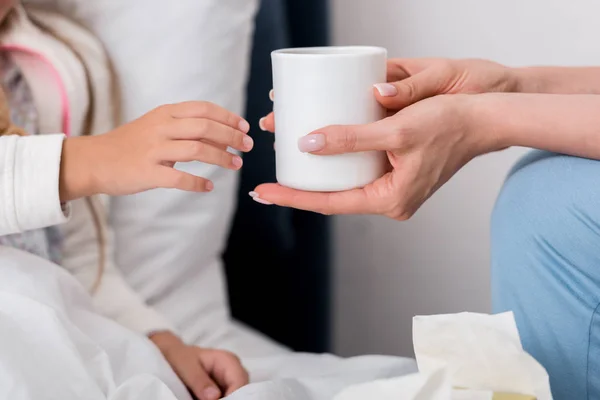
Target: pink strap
x=64 y=98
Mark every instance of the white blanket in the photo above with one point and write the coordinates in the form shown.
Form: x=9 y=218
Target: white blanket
x=315 y=377
x=54 y=346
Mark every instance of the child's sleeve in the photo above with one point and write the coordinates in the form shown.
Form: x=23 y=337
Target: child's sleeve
x=113 y=298
x=29 y=179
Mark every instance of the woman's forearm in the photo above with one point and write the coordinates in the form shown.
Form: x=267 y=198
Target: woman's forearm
x=558 y=80
x=568 y=124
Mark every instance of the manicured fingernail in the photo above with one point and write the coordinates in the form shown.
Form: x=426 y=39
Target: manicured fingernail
x=209 y=186
x=386 y=89
x=244 y=126
x=311 y=143
x=261 y=201
x=211 y=393
x=257 y=199
x=261 y=124
x=237 y=161
x=248 y=142
x=272 y=95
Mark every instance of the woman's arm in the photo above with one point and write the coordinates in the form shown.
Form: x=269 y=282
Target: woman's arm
x=429 y=141
x=558 y=80
x=413 y=80
x=568 y=124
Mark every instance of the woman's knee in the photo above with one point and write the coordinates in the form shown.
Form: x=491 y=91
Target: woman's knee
x=547 y=222
x=549 y=198
x=545 y=258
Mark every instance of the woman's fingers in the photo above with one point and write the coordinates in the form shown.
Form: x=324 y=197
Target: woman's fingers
x=190 y=150
x=206 y=110
x=338 y=139
x=349 y=202
x=267 y=123
x=208 y=130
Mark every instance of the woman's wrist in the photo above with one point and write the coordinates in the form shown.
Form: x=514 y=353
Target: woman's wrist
x=479 y=114
x=559 y=123
x=527 y=80
x=76 y=177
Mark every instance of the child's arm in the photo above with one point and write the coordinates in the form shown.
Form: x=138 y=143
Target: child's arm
x=141 y=155
x=39 y=174
x=29 y=171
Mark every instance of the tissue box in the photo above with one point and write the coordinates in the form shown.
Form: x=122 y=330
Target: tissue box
x=509 y=396
x=469 y=394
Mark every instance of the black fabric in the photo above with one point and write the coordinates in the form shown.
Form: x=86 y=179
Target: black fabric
x=277 y=259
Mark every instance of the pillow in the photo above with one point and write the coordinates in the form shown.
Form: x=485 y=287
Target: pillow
x=169 y=243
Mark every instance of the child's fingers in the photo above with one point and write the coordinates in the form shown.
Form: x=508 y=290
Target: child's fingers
x=196 y=379
x=225 y=368
x=170 y=178
x=190 y=150
x=205 y=129
x=267 y=123
x=203 y=109
x=217 y=145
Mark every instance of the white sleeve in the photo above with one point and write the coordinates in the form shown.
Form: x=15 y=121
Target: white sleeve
x=113 y=298
x=29 y=179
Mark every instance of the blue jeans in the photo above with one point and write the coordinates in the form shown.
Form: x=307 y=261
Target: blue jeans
x=546 y=266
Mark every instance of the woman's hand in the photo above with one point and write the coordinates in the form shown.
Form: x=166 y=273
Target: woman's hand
x=209 y=374
x=413 y=80
x=141 y=155
x=426 y=143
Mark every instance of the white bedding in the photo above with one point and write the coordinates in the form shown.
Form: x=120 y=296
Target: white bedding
x=54 y=346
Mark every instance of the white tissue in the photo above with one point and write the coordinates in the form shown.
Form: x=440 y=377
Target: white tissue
x=481 y=352
x=433 y=386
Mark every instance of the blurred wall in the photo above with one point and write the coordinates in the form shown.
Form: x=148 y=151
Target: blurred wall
x=385 y=271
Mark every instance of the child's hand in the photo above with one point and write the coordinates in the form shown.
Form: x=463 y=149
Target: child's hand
x=209 y=374
x=140 y=155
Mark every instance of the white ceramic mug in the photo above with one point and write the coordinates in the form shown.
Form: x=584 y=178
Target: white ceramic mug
x=317 y=87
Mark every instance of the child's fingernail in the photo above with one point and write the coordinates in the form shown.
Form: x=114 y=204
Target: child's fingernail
x=237 y=161
x=211 y=393
x=311 y=143
x=272 y=95
x=257 y=199
x=386 y=89
x=261 y=124
x=244 y=126
x=248 y=142
x=209 y=186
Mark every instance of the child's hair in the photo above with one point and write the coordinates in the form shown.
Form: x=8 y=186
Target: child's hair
x=7 y=127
